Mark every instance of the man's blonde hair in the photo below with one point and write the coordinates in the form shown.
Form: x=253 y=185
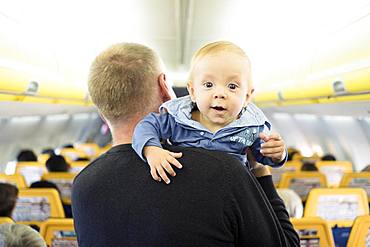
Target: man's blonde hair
x=214 y=48
x=122 y=80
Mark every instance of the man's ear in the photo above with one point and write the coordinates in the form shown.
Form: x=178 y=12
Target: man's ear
x=105 y=121
x=190 y=88
x=102 y=117
x=166 y=90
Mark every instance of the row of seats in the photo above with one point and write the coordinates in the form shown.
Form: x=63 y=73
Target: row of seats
x=340 y=206
x=303 y=182
x=63 y=180
x=34 y=171
x=315 y=231
x=333 y=170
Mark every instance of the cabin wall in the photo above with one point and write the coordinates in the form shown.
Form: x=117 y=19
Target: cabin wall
x=38 y=132
x=346 y=137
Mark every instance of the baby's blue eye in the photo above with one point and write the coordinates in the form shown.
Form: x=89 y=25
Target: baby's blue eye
x=208 y=84
x=232 y=86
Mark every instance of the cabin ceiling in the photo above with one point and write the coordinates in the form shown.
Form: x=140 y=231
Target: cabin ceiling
x=61 y=38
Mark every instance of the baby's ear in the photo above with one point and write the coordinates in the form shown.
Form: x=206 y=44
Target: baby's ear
x=191 y=91
x=248 y=97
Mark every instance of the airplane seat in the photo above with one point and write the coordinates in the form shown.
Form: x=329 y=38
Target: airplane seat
x=313 y=231
x=357 y=179
x=289 y=166
x=37 y=205
x=31 y=171
x=302 y=182
x=360 y=233
x=15 y=179
x=59 y=232
x=339 y=207
x=5 y=220
x=63 y=180
x=78 y=166
x=334 y=171
x=72 y=154
x=90 y=149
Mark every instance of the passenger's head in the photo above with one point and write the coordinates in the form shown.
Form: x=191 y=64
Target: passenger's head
x=68 y=145
x=8 y=199
x=123 y=82
x=57 y=163
x=328 y=157
x=17 y=235
x=26 y=155
x=220 y=79
x=44 y=184
x=294 y=154
x=291 y=155
x=292 y=201
x=48 y=151
x=309 y=166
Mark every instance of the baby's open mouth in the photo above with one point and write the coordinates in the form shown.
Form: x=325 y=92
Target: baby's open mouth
x=218 y=108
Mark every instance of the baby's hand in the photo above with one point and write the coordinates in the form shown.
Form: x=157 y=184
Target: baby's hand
x=160 y=160
x=274 y=147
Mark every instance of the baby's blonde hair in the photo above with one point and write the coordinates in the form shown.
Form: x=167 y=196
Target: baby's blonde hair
x=214 y=48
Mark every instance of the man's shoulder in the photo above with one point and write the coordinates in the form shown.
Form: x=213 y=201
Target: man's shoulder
x=217 y=159
x=109 y=161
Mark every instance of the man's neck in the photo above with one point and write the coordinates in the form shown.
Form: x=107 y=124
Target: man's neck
x=122 y=133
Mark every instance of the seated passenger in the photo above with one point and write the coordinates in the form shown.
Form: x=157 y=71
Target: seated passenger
x=292 y=201
x=49 y=151
x=18 y=235
x=294 y=154
x=47 y=184
x=328 y=157
x=57 y=163
x=214 y=201
x=309 y=166
x=26 y=155
x=8 y=199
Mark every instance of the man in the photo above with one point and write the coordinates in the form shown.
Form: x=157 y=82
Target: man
x=213 y=201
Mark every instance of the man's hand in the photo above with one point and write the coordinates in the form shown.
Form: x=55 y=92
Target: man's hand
x=274 y=147
x=160 y=161
x=257 y=169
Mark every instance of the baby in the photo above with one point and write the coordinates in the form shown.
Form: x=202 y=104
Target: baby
x=217 y=115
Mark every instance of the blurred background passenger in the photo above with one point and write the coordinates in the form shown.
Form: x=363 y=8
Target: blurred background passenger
x=309 y=166
x=47 y=184
x=49 y=151
x=8 y=199
x=68 y=145
x=328 y=157
x=26 y=155
x=18 y=235
x=294 y=154
x=82 y=159
x=44 y=184
x=57 y=163
x=292 y=202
